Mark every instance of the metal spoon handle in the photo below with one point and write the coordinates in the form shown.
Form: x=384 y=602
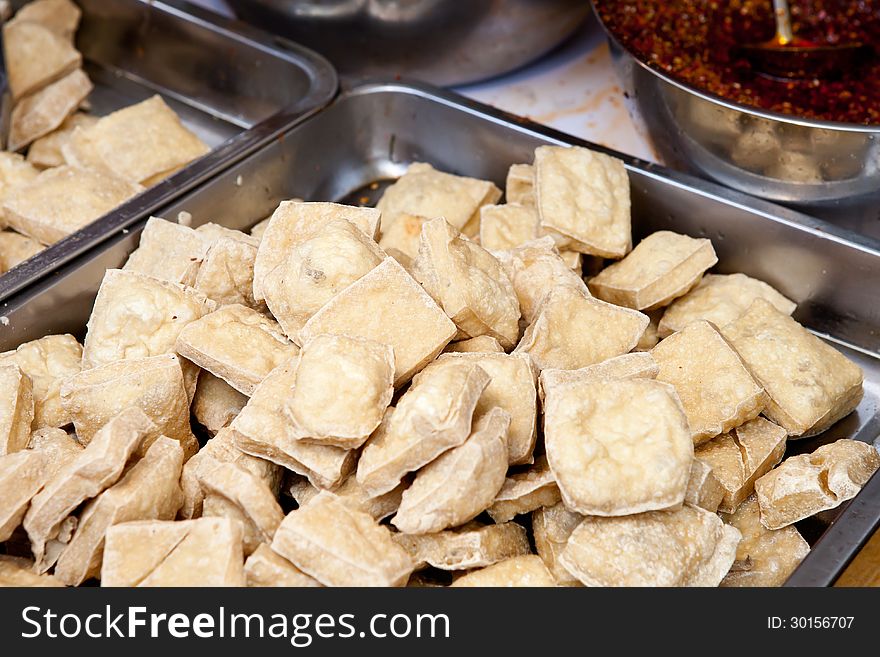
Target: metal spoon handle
x=783 y=21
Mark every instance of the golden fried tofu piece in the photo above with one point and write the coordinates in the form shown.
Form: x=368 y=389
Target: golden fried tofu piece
x=720 y=299
x=221 y=449
x=48 y=521
x=15 y=248
x=401 y=315
x=265 y=428
x=479 y=345
x=703 y=490
x=470 y=546
x=316 y=270
x=741 y=456
x=339 y=545
x=764 y=557
x=22 y=475
x=424 y=191
x=526 y=570
x=524 y=492
x=806 y=484
x=810 y=384
x=403 y=235
x=617 y=447
x=149 y=490
x=551 y=527
x=572 y=330
x=520 y=185
x=433 y=416
x=627 y=366
x=231 y=491
x=535 y=268
x=236 y=343
x=662 y=267
x=468 y=283
x=59 y=16
x=343 y=386
x=59 y=447
x=294 y=222
x=42 y=112
x=168 y=251
x=136 y=143
x=216 y=403
x=136 y=315
x=226 y=274
x=459 y=484
x=715 y=386
x=62 y=200
x=45 y=152
x=583 y=197
x=48 y=362
x=511 y=388
x=16 y=409
x=19 y=572
x=153 y=553
x=35 y=57
x=351 y=492
x=265 y=567
x=686 y=547
x=153 y=384
x=507 y=226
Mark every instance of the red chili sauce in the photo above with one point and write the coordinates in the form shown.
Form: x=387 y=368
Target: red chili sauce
x=695 y=41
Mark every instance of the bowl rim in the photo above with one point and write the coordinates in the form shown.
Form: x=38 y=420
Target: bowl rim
x=839 y=126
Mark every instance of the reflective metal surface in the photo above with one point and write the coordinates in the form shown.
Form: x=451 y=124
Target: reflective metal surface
x=373 y=132
x=231 y=84
x=446 y=42
x=831 y=170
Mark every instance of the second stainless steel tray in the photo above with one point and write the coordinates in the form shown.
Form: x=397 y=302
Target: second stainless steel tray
x=232 y=85
x=371 y=133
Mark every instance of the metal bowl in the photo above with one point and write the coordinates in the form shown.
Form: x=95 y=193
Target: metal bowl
x=827 y=169
x=446 y=42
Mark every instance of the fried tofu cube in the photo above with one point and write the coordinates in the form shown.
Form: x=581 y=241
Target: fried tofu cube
x=572 y=330
x=62 y=200
x=59 y=16
x=468 y=283
x=154 y=385
x=16 y=409
x=520 y=185
x=424 y=191
x=627 y=366
x=42 y=112
x=524 y=571
x=617 y=447
x=45 y=152
x=265 y=429
x=59 y=447
x=810 y=384
x=720 y=299
x=216 y=403
x=316 y=270
x=806 y=484
x=704 y=490
x=551 y=527
x=764 y=557
x=265 y=567
x=403 y=235
x=583 y=197
x=153 y=553
x=351 y=492
x=136 y=316
x=168 y=251
x=507 y=226
x=686 y=547
x=137 y=143
x=402 y=315
x=741 y=456
x=433 y=416
x=35 y=57
x=149 y=490
x=524 y=492
x=662 y=267
x=226 y=274
x=22 y=475
x=715 y=386
x=460 y=483
x=236 y=343
x=470 y=546
x=339 y=545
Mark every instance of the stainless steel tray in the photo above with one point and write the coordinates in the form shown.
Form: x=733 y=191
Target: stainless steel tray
x=233 y=85
x=372 y=132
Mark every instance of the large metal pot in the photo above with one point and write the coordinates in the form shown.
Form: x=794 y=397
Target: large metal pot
x=446 y=42
x=828 y=169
